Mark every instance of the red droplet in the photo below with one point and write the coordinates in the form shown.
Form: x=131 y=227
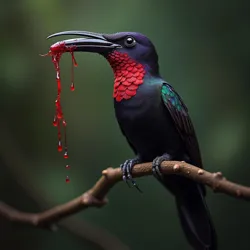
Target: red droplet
x=55 y=121
x=72 y=86
x=73 y=59
x=74 y=64
x=57 y=103
x=64 y=123
x=59 y=147
x=67 y=179
x=66 y=156
x=59 y=115
x=67 y=166
x=65 y=142
x=58 y=80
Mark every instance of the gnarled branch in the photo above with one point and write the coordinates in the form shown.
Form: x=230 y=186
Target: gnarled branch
x=95 y=197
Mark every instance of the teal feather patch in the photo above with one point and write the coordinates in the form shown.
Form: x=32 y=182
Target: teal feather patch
x=171 y=97
x=179 y=113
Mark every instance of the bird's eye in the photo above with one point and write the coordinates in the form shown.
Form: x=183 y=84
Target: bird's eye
x=130 y=41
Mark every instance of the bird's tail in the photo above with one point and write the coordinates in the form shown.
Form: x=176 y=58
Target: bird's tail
x=195 y=219
x=193 y=212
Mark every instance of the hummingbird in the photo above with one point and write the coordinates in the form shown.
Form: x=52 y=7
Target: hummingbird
x=155 y=121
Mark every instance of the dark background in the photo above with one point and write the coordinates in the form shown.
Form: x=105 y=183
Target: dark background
x=204 y=53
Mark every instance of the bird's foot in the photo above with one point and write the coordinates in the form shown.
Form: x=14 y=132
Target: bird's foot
x=156 y=165
x=126 y=168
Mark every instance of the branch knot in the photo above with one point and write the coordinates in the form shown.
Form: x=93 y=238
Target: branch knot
x=89 y=200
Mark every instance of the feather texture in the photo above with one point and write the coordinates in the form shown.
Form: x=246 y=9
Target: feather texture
x=183 y=123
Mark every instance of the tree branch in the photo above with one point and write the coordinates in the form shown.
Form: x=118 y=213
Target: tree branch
x=95 y=197
x=88 y=231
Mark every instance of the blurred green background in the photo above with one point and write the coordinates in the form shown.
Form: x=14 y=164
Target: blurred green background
x=204 y=53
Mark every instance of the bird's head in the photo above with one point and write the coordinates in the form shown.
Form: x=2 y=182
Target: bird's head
x=131 y=55
x=117 y=48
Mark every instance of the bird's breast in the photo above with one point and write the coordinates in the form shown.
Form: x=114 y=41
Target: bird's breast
x=146 y=122
x=140 y=106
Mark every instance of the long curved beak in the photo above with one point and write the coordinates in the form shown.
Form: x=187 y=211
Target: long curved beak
x=93 y=42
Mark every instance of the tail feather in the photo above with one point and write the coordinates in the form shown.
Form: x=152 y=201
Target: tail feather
x=193 y=213
x=196 y=222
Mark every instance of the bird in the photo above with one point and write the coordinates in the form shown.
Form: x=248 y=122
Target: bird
x=156 y=123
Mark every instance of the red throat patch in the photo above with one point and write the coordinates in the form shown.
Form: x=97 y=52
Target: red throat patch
x=128 y=75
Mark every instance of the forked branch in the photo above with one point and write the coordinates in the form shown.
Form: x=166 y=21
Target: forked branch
x=95 y=197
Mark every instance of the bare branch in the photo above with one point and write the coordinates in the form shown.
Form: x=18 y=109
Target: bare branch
x=95 y=197
x=88 y=231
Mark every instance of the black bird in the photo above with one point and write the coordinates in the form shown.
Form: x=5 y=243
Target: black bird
x=155 y=121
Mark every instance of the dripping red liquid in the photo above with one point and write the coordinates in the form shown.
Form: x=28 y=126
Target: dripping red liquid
x=66 y=156
x=72 y=87
x=59 y=147
x=74 y=64
x=67 y=179
x=55 y=121
x=56 y=51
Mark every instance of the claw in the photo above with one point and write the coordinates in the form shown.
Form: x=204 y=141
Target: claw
x=156 y=165
x=127 y=168
x=124 y=177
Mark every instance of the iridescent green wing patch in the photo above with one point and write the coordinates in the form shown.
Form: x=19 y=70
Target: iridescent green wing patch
x=179 y=113
x=177 y=110
x=171 y=97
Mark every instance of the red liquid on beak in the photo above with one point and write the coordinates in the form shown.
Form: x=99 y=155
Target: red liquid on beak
x=56 y=51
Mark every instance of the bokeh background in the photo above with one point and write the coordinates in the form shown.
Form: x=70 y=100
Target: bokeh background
x=204 y=53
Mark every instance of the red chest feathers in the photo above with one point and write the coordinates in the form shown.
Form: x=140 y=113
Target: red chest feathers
x=128 y=75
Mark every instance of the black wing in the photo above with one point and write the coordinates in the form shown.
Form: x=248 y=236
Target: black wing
x=179 y=114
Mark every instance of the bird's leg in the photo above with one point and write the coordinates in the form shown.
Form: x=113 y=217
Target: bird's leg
x=126 y=168
x=156 y=165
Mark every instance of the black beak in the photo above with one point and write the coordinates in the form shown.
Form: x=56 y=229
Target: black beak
x=93 y=42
